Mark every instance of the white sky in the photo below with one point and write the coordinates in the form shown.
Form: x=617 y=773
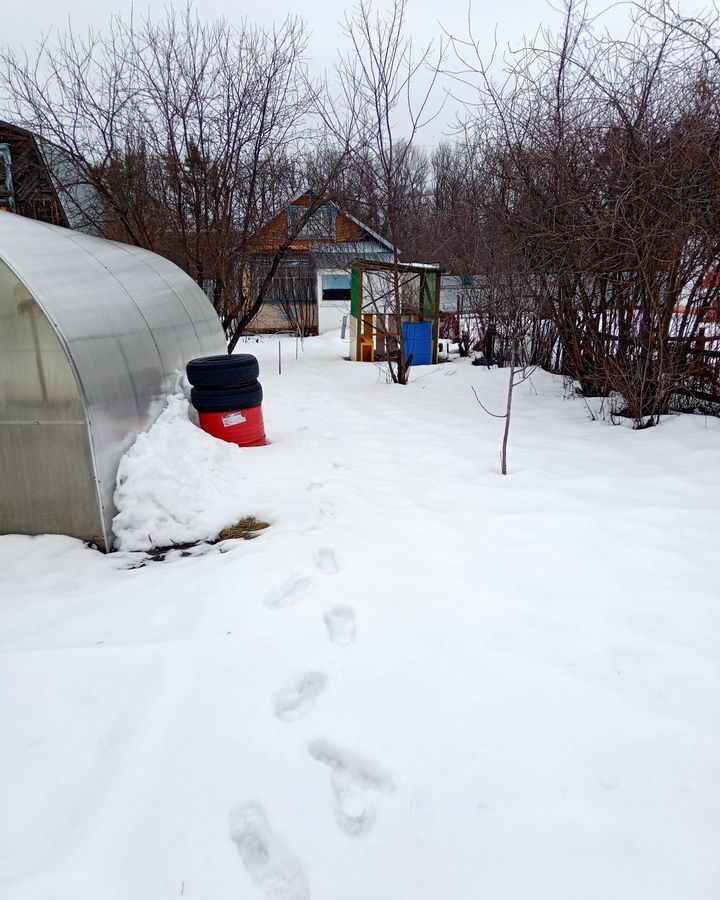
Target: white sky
x=23 y=21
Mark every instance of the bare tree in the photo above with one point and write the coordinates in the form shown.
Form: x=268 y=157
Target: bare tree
x=603 y=154
x=178 y=136
x=506 y=304
x=294 y=288
x=377 y=81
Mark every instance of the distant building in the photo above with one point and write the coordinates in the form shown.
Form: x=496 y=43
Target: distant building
x=460 y=291
x=313 y=278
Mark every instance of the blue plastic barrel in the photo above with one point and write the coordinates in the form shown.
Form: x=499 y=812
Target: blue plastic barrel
x=417 y=337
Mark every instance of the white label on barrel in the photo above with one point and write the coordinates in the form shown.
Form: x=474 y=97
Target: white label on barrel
x=235 y=418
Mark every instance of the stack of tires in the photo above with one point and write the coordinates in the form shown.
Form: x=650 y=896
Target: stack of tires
x=228 y=398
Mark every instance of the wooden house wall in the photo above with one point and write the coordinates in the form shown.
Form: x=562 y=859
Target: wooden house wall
x=275 y=233
x=34 y=193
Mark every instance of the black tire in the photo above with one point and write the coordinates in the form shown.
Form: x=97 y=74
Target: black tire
x=212 y=372
x=247 y=396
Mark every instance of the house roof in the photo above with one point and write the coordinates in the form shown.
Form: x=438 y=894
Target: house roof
x=307 y=190
x=362 y=225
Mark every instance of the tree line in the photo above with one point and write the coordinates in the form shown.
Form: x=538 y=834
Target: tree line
x=577 y=193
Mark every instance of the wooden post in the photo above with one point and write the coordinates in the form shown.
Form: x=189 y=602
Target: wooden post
x=359 y=327
x=436 y=318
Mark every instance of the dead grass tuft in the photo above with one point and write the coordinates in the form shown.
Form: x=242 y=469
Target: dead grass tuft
x=246 y=529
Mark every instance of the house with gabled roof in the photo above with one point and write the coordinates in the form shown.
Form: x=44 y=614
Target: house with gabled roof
x=314 y=275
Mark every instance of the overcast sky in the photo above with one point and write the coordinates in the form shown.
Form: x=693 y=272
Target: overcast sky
x=23 y=21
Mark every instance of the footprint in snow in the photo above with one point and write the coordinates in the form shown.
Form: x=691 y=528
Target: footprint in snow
x=288 y=591
x=310 y=528
x=275 y=870
x=326 y=560
x=329 y=509
x=297 y=700
x=340 y=624
x=356 y=783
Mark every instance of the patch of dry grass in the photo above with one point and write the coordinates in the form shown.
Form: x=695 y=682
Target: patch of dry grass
x=246 y=529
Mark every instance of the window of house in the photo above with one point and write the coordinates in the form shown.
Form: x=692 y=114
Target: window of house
x=336 y=288
x=320 y=226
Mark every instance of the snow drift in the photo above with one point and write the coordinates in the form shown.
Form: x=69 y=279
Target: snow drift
x=176 y=484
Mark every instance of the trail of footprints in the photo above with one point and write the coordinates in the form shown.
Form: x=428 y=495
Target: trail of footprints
x=357 y=783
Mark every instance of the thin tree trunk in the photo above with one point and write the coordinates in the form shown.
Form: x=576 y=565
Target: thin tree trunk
x=511 y=384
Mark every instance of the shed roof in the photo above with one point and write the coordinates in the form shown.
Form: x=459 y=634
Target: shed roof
x=414 y=268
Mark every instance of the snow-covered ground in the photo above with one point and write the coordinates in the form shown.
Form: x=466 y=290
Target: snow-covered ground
x=423 y=681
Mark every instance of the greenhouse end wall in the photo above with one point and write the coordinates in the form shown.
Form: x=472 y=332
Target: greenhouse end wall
x=93 y=336
x=43 y=426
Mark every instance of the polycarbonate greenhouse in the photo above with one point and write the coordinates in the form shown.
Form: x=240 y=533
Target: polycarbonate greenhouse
x=92 y=335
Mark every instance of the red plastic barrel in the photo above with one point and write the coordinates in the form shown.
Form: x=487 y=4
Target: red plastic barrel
x=244 y=427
